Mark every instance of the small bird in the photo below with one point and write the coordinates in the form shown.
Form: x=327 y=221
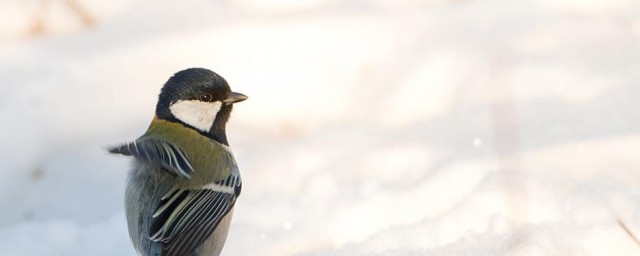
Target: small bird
x=185 y=181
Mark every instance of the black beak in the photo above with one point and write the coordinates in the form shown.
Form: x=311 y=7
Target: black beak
x=235 y=97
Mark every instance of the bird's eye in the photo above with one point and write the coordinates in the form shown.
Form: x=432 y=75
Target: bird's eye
x=206 y=97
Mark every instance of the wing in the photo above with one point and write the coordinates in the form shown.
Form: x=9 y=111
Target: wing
x=186 y=218
x=157 y=151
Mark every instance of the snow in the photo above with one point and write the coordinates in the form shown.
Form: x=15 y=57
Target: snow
x=373 y=127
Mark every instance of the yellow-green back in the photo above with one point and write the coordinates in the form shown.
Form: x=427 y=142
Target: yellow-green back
x=209 y=159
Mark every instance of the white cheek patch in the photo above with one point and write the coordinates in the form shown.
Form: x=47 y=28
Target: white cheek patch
x=196 y=113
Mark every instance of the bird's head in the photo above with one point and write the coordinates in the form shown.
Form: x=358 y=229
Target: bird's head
x=199 y=99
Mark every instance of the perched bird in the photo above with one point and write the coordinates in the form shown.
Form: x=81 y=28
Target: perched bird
x=185 y=181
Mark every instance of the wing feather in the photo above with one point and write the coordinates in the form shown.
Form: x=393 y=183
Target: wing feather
x=200 y=227
x=183 y=223
x=189 y=226
x=157 y=151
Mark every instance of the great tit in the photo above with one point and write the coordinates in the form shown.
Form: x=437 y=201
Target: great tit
x=185 y=181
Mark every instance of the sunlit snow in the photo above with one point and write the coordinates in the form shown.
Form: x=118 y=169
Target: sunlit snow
x=373 y=127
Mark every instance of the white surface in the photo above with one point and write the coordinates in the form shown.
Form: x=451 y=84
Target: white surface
x=372 y=127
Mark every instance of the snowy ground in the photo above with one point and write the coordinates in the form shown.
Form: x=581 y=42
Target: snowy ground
x=374 y=127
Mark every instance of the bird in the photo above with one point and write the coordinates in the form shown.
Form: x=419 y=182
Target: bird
x=184 y=181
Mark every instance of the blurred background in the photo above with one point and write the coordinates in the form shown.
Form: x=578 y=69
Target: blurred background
x=373 y=127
